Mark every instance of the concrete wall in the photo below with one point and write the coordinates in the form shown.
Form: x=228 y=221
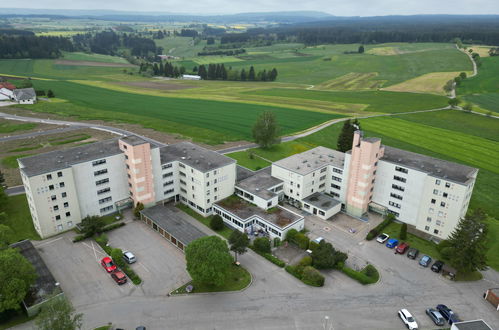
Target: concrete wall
x=321 y=213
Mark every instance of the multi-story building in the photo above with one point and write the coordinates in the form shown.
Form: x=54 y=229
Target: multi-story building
x=62 y=187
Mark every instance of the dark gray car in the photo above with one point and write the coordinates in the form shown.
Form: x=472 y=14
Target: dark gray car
x=412 y=253
x=435 y=316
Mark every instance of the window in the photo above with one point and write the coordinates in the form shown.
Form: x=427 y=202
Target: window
x=427 y=228
x=59 y=174
x=335 y=194
x=59 y=227
x=396 y=187
x=207 y=201
x=105 y=200
x=61 y=185
x=324 y=170
x=322 y=213
x=322 y=178
x=398 y=178
x=335 y=178
x=192 y=170
x=53 y=197
x=124 y=146
x=401 y=169
x=105 y=209
x=49 y=176
x=58 y=217
x=181 y=165
x=68 y=214
x=126 y=156
x=70 y=223
x=103 y=191
x=182 y=174
x=440 y=213
x=66 y=204
x=394 y=204
x=322 y=185
x=165 y=166
x=127 y=166
x=428 y=219
x=99 y=162
x=437 y=182
x=103 y=181
x=435 y=192
x=183 y=190
x=64 y=195
x=335 y=170
x=166 y=192
x=100 y=172
x=438 y=222
x=166 y=175
x=445 y=195
x=447 y=185
x=435 y=231
x=395 y=196
x=167 y=183
x=215 y=189
x=51 y=187
x=433 y=200
x=442 y=204
x=291 y=191
x=56 y=207
x=335 y=186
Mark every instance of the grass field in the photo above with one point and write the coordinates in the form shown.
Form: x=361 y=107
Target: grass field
x=78 y=56
x=230 y=120
x=9 y=127
x=19 y=219
x=249 y=160
x=493 y=243
x=377 y=101
x=432 y=83
x=180 y=46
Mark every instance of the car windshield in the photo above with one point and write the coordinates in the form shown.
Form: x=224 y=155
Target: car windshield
x=109 y=264
x=410 y=319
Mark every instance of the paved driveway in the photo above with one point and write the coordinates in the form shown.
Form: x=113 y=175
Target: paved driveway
x=160 y=264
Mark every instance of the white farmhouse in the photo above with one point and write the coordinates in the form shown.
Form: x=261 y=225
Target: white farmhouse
x=24 y=95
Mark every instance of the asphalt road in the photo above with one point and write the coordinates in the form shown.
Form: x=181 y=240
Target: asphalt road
x=39 y=133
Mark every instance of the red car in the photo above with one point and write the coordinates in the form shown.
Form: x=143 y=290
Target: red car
x=401 y=248
x=108 y=264
x=119 y=277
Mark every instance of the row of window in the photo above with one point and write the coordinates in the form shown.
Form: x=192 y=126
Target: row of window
x=438 y=182
x=107 y=208
x=100 y=182
x=169 y=183
x=169 y=191
x=397 y=187
x=58 y=217
x=103 y=191
x=433 y=201
x=98 y=162
x=165 y=166
x=61 y=185
x=100 y=172
x=427 y=228
x=56 y=207
x=399 y=178
x=105 y=200
x=49 y=176
x=396 y=196
x=63 y=195
x=394 y=204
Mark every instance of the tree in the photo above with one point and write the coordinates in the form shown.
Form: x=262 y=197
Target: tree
x=467 y=243
x=345 y=139
x=403 y=231
x=238 y=243
x=16 y=275
x=202 y=72
x=449 y=85
x=468 y=107
x=50 y=94
x=136 y=211
x=208 y=260
x=6 y=233
x=273 y=75
x=266 y=130
x=26 y=83
x=91 y=225
x=216 y=223
x=251 y=74
x=458 y=80
x=117 y=256
x=361 y=49
x=462 y=75
x=58 y=314
x=2 y=179
x=262 y=245
x=454 y=102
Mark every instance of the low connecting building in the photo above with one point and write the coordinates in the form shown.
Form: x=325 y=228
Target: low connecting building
x=62 y=187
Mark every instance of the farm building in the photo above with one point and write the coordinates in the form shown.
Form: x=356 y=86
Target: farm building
x=191 y=77
x=7 y=85
x=24 y=95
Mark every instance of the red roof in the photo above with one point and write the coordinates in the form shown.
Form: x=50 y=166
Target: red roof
x=7 y=85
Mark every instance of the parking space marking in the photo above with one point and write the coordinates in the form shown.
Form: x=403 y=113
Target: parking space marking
x=142 y=265
x=93 y=249
x=49 y=242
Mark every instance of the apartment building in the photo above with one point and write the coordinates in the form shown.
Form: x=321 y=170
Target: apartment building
x=63 y=187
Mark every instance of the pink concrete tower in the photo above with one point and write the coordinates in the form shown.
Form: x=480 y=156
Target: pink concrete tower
x=362 y=173
x=139 y=169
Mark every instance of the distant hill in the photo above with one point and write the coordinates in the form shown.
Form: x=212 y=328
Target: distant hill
x=256 y=17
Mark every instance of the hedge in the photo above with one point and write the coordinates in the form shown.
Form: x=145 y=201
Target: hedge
x=308 y=275
x=273 y=259
x=112 y=226
x=362 y=276
x=81 y=237
x=377 y=230
x=293 y=271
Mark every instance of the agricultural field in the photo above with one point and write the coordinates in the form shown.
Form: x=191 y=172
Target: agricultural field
x=183 y=47
x=79 y=56
x=432 y=83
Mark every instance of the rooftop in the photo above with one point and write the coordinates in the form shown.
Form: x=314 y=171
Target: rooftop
x=133 y=140
x=278 y=216
x=200 y=158
x=311 y=160
x=433 y=166
x=59 y=159
x=321 y=201
x=24 y=94
x=242 y=173
x=472 y=325
x=45 y=283
x=170 y=220
x=259 y=183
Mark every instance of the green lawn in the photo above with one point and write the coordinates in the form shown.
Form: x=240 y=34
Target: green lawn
x=19 y=219
x=376 y=101
x=11 y=161
x=9 y=127
x=245 y=158
x=237 y=279
x=493 y=243
x=488 y=101
x=207 y=121
x=79 y=56
x=424 y=246
x=180 y=46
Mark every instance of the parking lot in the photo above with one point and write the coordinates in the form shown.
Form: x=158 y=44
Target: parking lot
x=77 y=265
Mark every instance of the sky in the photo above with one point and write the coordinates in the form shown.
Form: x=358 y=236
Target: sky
x=334 y=7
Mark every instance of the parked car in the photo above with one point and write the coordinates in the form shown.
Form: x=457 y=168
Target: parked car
x=408 y=320
x=392 y=242
x=412 y=253
x=129 y=257
x=401 y=248
x=119 y=277
x=435 y=316
x=318 y=240
x=437 y=266
x=425 y=261
x=382 y=238
x=448 y=314
x=108 y=264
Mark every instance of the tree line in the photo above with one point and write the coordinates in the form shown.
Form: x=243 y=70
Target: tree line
x=165 y=69
x=30 y=46
x=220 y=72
x=222 y=52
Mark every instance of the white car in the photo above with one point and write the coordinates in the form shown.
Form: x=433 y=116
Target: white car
x=129 y=257
x=408 y=319
x=382 y=238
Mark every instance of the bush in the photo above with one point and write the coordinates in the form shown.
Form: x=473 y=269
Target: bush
x=312 y=246
x=312 y=276
x=50 y=93
x=81 y=237
x=293 y=271
x=117 y=256
x=291 y=234
x=302 y=241
x=372 y=234
x=389 y=218
x=262 y=245
x=216 y=223
x=306 y=261
x=112 y=226
x=102 y=239
x=371 y=272
x=136 y=210
x=362 y=276
x=403 y=231
x=277 y=242
x=273 y=259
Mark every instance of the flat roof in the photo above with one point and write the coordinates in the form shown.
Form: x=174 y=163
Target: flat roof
x=433 y=166
x=259 y=183
x=133 y=140
x=45 y=283
x=472 y=325
x=321 y=201
x=311 y=160
x=197 y=157
x=170 y=220
x=242 y=173
x=278 y=216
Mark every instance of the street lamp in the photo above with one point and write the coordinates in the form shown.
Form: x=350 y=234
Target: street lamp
x=327 y=324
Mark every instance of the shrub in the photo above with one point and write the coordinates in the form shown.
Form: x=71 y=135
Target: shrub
x=312 y=246
x=262 y=245
x=312 y=276
x=293 y=271
x=136 y=210
x=102 y=239
x=371 y=271
x=403 y=231
x=117 y=256
x=277 y=242
x=81 y=237
x=216 y=223
x=306 y=261
x=389 y=218
x=112 y=226
x=291 y=234
x=50 y=93
x=273 y=259
x=362 y=276
x=372 y=234
x=302 y=241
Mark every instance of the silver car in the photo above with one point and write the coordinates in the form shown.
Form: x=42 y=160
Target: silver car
x=129 y=257
x=435 y=316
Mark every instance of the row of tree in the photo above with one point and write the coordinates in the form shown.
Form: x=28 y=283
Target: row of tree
x=26 y=46
x=220 y=72
x=165 y=69
x=233 y=52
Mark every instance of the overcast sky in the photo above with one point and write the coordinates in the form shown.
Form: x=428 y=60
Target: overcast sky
x=335 y=7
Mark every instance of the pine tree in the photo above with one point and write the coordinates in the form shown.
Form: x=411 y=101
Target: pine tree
x=218 y=72
x=251 y=75
x=361 y=49
x=345 y=139
x=264 y=75
x=223 y=72
x=273 y=74
x=202 y=72
x=161 y=69
x=243 y=75
x=467 y=243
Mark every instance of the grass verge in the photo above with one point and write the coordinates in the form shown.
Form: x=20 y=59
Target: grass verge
x=11 y=161
x=249 y=160
x=19 y=219
x=237 y=279
x=424 y=246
